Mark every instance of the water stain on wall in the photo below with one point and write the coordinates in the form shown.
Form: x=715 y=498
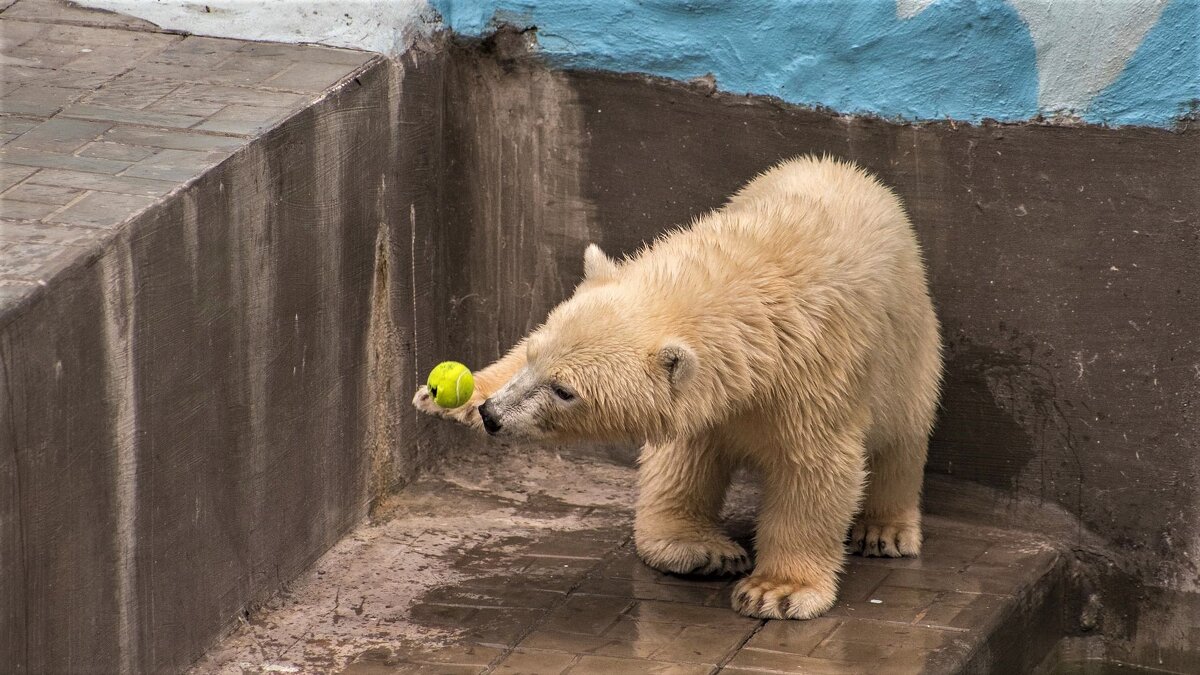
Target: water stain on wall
x=1001 y=408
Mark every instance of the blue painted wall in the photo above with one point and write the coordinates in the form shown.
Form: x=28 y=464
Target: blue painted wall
x=905 y=59
x=1160 y=83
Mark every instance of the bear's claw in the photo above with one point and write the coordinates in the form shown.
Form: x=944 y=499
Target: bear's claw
x=423 y=401
x=718 y=557
x=875 y=539
x=467 y=414
x=771 y=599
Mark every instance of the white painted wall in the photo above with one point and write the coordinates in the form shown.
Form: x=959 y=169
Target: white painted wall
x=387 y=26
x=1082 y=46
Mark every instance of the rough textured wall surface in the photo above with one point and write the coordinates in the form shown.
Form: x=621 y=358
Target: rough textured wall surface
x=185 y=414
x=1061 y=260
x=1131 y=62
x=515 y=208
x=1126 y=62
x=388 y=26
x=200 y=438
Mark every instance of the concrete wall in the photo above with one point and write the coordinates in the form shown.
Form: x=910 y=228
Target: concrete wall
x=1062 y=261
x=387 y=26
x=1132 y=62
x=1129 y=62
x=195 y=414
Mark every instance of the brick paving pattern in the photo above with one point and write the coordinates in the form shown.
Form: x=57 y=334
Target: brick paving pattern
x=534 y=571
x=102 y=116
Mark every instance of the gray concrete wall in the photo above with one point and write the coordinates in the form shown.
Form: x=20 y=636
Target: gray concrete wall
x=197 y=412
x=193 y=415
x=516 y=214
x=1062 y=261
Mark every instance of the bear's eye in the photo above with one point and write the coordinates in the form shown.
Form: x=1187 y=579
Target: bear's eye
x=562 y=392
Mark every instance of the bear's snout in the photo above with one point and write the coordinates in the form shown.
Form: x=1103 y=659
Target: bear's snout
x=490 y=423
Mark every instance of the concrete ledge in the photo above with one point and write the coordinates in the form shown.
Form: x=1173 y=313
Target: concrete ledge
x=200 y=240
x=98 y=124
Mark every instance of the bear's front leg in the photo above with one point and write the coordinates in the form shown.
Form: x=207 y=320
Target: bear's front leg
x=467 y=413
x=808 y=504
x=487 y=382
x=890 y=522
x=676 y=529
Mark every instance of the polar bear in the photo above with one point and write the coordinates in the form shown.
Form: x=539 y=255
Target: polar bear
x=791 y=332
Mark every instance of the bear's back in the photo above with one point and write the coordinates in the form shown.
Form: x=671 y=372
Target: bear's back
x=853 y=203
x=807 y=222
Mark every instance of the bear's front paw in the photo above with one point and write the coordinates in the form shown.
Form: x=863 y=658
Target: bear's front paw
x=467 y=413
x=885 y=539
x=424 y=402
x=715 y=557
x=764 y=598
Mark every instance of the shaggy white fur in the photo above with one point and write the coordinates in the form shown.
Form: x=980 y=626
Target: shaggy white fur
x=790 y=331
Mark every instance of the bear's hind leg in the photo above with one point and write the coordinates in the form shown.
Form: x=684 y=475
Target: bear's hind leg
x=807 y=508
x=676 y=529
x=890 y=522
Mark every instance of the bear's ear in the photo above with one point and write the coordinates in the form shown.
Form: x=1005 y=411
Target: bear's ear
x=679 y=362
x=597 y=266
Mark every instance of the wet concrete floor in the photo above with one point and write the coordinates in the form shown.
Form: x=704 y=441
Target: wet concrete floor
x=518 y=560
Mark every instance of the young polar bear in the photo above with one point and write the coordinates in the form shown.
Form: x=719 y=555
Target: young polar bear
x=792 y=332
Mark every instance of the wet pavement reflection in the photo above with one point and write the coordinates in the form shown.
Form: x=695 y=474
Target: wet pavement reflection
x=525 y=564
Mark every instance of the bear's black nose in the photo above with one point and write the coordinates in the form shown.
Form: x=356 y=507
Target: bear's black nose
x=490 y=423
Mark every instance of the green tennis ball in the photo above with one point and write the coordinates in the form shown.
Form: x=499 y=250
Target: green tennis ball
x=451 y=384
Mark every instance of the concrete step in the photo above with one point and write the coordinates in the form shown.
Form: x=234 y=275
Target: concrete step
x=104 y=124
x=189 y=245
x=520 y=560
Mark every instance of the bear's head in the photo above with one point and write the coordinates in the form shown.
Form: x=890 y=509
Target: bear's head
x=604 y=366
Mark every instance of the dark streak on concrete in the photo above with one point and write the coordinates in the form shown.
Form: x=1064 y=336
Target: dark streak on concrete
x=61 y=519
x=516 y=216
x=423 y=263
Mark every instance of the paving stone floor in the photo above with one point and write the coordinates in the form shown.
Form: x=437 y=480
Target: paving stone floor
x=521 y=561
x=102 y=116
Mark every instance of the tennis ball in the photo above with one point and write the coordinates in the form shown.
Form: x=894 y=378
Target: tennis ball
x=450 y=384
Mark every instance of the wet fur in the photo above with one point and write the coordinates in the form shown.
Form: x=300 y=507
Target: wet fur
x=791 y=331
